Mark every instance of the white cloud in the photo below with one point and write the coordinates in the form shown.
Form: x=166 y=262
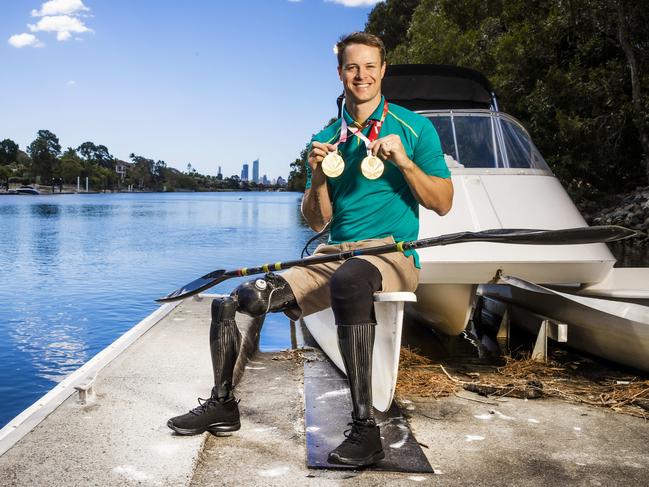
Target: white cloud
x=60 y=7
x=63 y=25
x=355 y=3
x=25 y=40
x=71 y=82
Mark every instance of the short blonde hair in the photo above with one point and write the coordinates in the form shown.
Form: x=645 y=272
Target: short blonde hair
x=359 y=38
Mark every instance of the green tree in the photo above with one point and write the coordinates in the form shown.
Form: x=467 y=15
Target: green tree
x=8 y=152
x=297 y=176
x=159 y=172
x=44 y=152
x=141 y=174
x=71 y=166
x=5 y=173
x=390 y=20
x=96 y=154
x=103 y=178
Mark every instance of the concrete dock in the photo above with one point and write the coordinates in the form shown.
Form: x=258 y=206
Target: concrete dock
x=121 y=438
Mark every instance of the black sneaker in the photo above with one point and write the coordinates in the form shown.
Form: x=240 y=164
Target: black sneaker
x=362 y=445
x=213 y=415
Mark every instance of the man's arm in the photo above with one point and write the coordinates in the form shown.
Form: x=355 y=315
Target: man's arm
x=316 y=204
x=431 y=192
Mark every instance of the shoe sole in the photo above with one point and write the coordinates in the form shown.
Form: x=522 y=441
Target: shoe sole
x=212 y=428
x=357 y=462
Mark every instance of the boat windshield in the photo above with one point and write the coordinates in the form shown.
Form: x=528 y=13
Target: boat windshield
x=485 y=139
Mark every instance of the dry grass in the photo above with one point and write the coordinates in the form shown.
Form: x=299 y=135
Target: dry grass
x=297 y=355
x=525 y=378
x=419 y=376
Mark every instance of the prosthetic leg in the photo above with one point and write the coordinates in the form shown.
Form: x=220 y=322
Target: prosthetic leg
x=220 y=412
x=352 y=288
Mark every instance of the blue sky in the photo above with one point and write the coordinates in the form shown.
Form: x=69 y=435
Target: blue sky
x=203 y=82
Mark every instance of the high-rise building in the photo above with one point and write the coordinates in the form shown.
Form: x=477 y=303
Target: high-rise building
x=255 y=171
x=244 y=173
x=219 y=175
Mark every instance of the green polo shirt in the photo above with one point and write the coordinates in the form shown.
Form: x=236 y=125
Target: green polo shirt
x=364 y=208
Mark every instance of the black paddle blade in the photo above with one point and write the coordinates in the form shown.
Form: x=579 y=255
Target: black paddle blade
x=195 y=287
x=568 y=236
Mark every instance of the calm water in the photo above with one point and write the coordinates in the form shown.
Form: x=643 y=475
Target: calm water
x=77 y=271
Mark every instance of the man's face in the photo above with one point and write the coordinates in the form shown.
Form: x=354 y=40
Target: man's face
x=361 y=72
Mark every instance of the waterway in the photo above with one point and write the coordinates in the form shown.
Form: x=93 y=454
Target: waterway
x=77 y=271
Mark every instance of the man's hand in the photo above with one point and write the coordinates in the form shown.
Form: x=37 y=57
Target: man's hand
x=318 y=152
x=391 y=148
x=430 y=191
x=316 y=204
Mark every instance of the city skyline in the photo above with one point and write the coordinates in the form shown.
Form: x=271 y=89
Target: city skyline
x=244 y=174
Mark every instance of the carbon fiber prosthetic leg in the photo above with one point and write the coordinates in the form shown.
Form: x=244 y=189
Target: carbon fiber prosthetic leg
x=356 y=343
x=352 y=289
x=352 y=298
x=254 y=298
x=225 y=340
x=220 y=412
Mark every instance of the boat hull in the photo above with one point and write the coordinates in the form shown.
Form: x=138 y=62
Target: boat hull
x=446 y=308
x=614 y=330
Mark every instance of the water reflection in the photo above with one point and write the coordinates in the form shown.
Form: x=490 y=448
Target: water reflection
x=51 y=337
x=9 y=210
x=45 y=211
x=45 y=245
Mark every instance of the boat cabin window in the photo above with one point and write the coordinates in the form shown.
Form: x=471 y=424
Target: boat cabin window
x=484 y=139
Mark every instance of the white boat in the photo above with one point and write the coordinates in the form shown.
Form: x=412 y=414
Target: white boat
x=501 y=181
x=27 y=190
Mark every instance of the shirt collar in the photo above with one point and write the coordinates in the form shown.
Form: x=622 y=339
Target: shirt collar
x=376 y=115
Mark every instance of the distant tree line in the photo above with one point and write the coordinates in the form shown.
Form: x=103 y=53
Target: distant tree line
x=44 y=162
x=573 y=71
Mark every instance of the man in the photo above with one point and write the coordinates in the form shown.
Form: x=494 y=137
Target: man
x=366 y=202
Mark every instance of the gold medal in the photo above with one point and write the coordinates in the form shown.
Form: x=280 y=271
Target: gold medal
x=372 y=167
x=333 y=165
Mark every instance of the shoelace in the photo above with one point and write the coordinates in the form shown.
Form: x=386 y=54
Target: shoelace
x=203 y=405
x=354 y=434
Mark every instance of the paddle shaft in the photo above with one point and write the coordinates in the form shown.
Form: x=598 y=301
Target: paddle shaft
x=570 y=236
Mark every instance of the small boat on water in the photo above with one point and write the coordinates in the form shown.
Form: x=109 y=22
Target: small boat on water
x=502 y=181
x=27 y=190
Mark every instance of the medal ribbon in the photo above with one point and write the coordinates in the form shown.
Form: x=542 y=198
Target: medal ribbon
x=374 y=130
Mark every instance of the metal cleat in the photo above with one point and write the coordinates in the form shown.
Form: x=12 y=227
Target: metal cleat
x=86 y=390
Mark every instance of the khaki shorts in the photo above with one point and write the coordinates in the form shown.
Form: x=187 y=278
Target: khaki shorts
x=310 y=285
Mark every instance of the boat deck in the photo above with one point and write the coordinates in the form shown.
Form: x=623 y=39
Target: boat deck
x=122 y=439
